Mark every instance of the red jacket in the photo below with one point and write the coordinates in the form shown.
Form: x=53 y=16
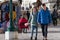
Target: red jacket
x=21 y=23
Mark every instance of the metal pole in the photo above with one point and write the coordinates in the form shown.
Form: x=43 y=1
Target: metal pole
x=11 y=28
x=11 y=33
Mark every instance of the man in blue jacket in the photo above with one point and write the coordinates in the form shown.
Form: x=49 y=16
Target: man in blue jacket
x=44 y=18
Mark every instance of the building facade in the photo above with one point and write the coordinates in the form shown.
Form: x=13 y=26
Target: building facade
x=49 y=3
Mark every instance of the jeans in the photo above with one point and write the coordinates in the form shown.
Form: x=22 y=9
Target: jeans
x=44 y=28
x=36 y=29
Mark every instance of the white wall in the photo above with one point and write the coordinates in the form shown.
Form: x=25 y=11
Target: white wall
x=49 y=5
x=25 y=3
x=2 y=0
x=44 y=1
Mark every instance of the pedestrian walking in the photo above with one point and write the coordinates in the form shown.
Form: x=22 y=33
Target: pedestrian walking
x=18 y=13
x=54 y=17
x=33 y=20
x=44 y=18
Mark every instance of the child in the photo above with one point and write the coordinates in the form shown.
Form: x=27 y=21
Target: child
x=21 y=23
x=33 y=19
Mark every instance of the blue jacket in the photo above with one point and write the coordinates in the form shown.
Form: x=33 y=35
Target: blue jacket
x=44 y=17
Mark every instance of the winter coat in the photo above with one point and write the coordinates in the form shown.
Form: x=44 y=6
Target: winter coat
x=22 y=22
x=44 y=16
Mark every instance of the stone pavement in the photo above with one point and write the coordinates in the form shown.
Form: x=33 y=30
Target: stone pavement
x=51 y=28
x=53 y=34
x=24 y=36
x=2 y=37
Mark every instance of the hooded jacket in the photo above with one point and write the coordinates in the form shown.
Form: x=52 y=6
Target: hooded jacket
x=44 y=16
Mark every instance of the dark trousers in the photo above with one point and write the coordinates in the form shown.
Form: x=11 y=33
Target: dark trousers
x=44 y=28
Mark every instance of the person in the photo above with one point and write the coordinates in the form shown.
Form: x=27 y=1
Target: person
x=33 y=20
x=21 y=24
x=18 y=13
x=44 y=18
x=13 y=15
x=54 y=17
x=28 y=14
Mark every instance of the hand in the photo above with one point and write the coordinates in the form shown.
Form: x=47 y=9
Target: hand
x=26 y=24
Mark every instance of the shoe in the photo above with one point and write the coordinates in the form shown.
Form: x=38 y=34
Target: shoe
x=35 y=38
x=31 y=38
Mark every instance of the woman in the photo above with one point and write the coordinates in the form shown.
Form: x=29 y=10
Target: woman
x=33 y=20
